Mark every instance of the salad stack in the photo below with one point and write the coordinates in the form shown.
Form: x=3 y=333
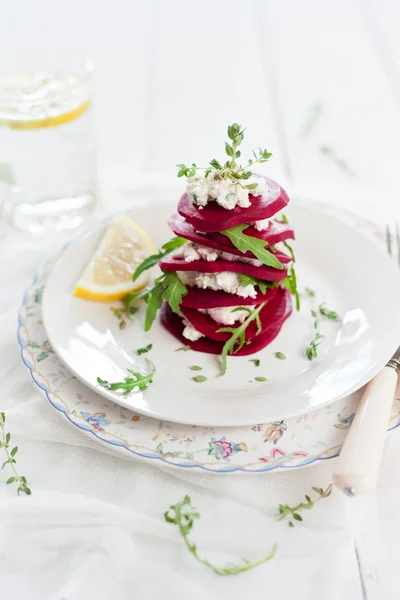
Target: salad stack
x=228 y=276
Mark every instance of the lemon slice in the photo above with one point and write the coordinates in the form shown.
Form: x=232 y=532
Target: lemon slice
x=108 y=276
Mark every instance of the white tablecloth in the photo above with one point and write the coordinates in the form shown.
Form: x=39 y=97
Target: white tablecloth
x=94 y=526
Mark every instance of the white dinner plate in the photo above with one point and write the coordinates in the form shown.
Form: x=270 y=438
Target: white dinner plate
x=346 y=269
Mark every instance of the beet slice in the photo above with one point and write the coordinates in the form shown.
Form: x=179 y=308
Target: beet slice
x=220 y=266
x=199 y=298
x=173 y=323
x=215 y=218
x=269 y=315
x=276 y=232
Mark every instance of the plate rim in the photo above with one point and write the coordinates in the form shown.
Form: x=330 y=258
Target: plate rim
x=122 y=449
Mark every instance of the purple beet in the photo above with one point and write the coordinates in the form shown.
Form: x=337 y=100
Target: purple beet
x=219 y=266
x=173 y=323
x=214 y=218
x=276 y=232
x=199 y=298
x=272 y=313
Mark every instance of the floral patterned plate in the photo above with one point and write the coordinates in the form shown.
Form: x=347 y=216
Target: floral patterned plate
x=293 y=443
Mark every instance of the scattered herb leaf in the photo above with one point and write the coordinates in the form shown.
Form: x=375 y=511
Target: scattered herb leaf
x=132 y=381
x=183 y=348
x=184 y=515
x=154 y=259
x=144 y=350
x=331 y=153
x=309 y=292
x=311 y=350
x=246 y=243
x=329 y=314
x=5 y=439
x=260 y=379
x=195 y=368
x=293 y=511
x=280 y=355
x=199 y=378
x=256 y=361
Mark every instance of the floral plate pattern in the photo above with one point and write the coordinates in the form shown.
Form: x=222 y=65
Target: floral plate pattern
x=293 y=443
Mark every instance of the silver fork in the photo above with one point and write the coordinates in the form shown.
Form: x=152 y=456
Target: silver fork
x=359 y=462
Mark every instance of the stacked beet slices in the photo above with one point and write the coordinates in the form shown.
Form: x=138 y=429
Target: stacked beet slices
x=202 y=227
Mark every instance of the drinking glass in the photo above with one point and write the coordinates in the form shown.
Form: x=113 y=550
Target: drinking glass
x=47 y=153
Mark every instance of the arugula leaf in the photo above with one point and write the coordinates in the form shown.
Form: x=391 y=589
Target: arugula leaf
x=154 y=302
x=238 y=334
x=246 y=243
x=167 y=287
x=154 y=259
x=290 y=283
x=174 y=290
x=262 y=285
x=290 y=250
x=135 y=380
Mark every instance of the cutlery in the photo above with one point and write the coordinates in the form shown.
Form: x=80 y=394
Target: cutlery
x=360 y=458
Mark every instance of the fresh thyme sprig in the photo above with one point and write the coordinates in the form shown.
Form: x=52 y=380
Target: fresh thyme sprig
x=134 y=380
x=294 y=511
x=231 y=169
x=5 y=439
x=184 y=515
x=311 y=350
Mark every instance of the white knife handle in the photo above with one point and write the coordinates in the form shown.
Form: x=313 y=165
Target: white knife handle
x=360 y=458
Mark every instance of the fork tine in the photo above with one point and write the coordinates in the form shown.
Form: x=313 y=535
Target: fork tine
x=388 y=240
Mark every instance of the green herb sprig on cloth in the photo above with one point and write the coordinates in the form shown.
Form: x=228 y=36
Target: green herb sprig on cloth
x=5 y=439
x=294 y=511
x=184 y=515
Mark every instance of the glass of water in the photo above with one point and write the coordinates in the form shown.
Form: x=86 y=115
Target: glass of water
x=47 y=154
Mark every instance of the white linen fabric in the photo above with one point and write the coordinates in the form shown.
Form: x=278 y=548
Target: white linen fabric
x=94 y=525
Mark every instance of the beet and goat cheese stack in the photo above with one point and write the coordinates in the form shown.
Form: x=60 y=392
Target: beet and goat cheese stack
x=228 y=275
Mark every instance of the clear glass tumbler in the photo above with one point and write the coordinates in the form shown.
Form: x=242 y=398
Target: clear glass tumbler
x=47 y=153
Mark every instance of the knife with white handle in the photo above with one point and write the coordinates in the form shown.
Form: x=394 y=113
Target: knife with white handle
x=360 y=458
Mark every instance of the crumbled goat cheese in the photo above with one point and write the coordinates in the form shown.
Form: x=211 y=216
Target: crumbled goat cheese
x=190 y=333
x=261 y=225
x=227 y=281
x=191 y=252
x=223 y=191
x=226 y=316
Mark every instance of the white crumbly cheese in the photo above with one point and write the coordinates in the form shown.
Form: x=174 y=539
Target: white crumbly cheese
x=190 y=332
x=226 y=316
x=227 y=194
x=261 y=225
x=227 y=281
x=191 y=252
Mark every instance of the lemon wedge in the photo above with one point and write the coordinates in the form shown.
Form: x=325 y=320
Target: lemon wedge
x=108 y=276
